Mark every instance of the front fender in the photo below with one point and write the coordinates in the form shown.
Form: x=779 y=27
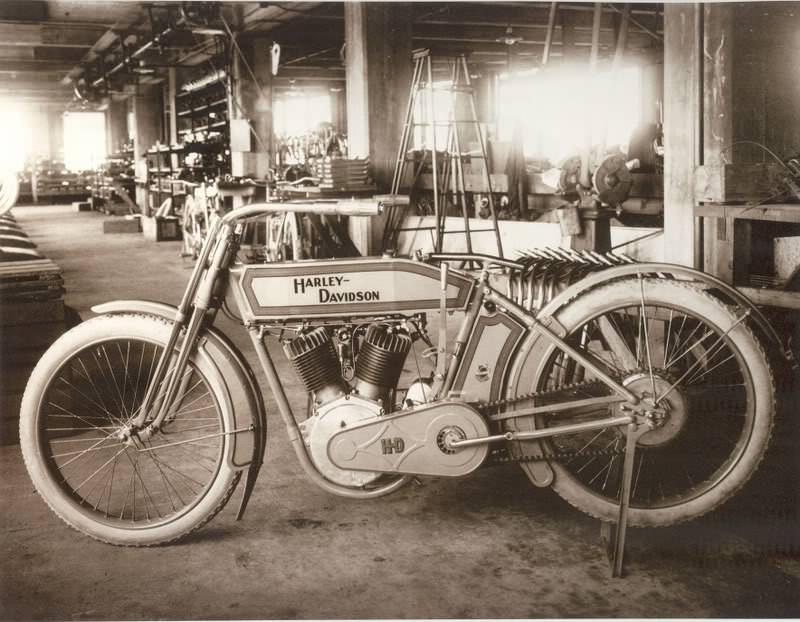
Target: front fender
x=245 y=395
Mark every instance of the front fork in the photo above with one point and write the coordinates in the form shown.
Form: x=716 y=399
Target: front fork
x=216 y=253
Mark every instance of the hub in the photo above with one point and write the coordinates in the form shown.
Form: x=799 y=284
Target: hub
x=668 y=418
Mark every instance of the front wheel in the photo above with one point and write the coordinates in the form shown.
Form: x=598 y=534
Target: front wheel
x=673 y=344
x=79 y=400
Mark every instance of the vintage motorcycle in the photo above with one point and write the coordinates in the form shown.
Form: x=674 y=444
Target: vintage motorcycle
x=646 y=385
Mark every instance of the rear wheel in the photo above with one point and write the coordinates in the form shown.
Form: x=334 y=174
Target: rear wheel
x=74 y=433
x=670 y=343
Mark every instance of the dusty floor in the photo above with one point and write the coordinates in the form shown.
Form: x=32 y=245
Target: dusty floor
x=484 y=547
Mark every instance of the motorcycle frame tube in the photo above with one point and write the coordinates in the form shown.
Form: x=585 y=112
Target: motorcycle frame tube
x=535 y=324
x=464 y=332
x=631 y=269
x=509 y=307
x=295 y=437
x=202 y=300
x=547 y=432
x=214 y=242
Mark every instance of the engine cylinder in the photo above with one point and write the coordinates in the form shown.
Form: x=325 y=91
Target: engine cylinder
x=315 y=361
x=380 y=361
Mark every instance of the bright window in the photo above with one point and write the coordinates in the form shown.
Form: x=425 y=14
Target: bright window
x=553 y=109
x=435 y=106
x=15 y=128
x=84 y=140
x=299 y=114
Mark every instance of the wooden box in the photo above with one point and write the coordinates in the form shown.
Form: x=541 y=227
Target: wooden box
x=162 y=228
x=121 y=225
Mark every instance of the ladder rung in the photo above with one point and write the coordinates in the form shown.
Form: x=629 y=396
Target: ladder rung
x=452 y=156
x=447 y=89
x=445 y=123
x=447 y=231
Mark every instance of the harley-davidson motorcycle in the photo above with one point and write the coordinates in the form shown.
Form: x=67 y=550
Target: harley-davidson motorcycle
x=137 y=425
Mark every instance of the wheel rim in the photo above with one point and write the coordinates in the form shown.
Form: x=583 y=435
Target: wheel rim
x=89 y=402
x=705 y=389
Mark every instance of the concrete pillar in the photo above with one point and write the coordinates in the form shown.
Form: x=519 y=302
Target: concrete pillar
x=718 y=233
x=116 y=125
x=56 y=127
x=682 y=110
x=251 y=110
x=378 y=71
x=147 y=118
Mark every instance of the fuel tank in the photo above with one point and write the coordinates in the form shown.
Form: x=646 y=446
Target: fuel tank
x=344 y=287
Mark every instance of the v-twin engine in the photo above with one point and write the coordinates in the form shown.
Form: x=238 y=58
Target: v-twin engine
x=378 y=365
x=352 y=424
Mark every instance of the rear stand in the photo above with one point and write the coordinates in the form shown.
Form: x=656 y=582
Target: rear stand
x=614 y=541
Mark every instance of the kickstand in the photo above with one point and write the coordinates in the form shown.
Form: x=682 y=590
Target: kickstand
x=614 y=540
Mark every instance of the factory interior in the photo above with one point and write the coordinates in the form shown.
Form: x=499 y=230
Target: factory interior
x=533 y=268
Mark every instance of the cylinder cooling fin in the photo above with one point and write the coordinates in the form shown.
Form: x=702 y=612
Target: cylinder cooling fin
x=314 y=358
x=380 y=359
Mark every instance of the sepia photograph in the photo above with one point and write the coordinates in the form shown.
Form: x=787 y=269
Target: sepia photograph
x=375 y=310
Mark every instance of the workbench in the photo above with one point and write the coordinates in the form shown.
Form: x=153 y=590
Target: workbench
x=732 y=251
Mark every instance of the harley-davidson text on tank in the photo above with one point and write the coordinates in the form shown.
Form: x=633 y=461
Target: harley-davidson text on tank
x=331 y=289
x=322 y=288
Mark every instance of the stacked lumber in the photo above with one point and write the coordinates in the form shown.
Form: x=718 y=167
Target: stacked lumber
x=31 y=318
x=342 y=174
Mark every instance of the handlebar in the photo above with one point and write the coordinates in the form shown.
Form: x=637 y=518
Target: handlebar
x=338 y=208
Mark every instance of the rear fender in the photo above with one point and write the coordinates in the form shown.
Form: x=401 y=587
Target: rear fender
x=529 y=356
x=727 y=293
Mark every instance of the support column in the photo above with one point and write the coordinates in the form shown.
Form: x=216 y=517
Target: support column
x=251 y=110
x=718 y=233
x=147 y=118
x=116 y=124
x=378 y=70
x=682 y=110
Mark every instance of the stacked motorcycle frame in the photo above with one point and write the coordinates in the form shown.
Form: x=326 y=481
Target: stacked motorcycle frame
x=608 y=380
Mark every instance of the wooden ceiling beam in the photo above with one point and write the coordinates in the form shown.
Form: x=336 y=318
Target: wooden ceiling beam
x=23 y=10
x=34 y=66
x=44 y=35
x=9 y=85
x=531 y=36
x=521 y=16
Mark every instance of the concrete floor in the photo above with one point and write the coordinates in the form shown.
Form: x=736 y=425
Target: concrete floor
x=489 y=546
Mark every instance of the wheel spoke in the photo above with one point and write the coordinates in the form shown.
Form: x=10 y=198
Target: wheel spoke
x=96 y=471
x=70 y=414
x=646 y=337
x=683 y=360
x=89 y=401
x=88 y=377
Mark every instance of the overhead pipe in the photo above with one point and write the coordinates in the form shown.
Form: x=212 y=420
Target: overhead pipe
x=138 y=52
x=585 y=180
x=616 y=66
x=551 y=26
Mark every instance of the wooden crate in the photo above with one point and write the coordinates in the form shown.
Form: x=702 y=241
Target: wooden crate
x=121 y=225
x=36 y=279
x=162 y=229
